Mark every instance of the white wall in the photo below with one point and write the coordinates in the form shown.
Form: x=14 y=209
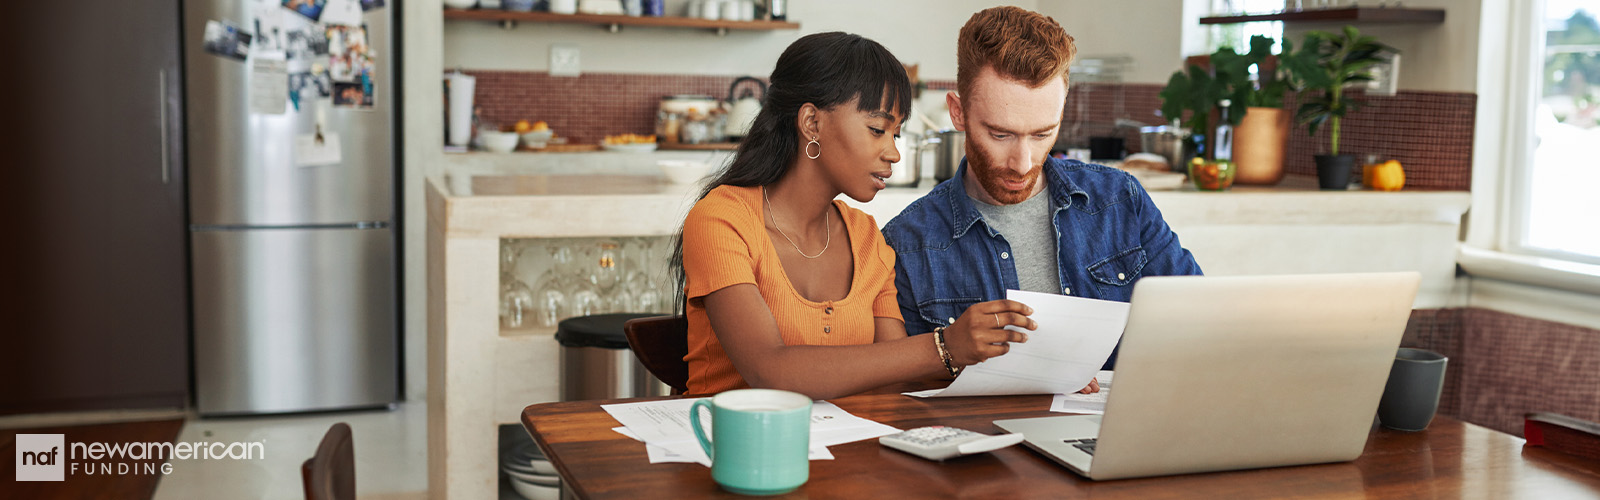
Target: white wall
x=916 y=31
x=1435 y=57
x=1150 y=31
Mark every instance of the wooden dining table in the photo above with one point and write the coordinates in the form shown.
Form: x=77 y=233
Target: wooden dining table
x=1451 y=459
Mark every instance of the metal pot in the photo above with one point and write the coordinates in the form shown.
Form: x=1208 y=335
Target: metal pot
x=908 y=171
x=949 y=147
x=1170 y=142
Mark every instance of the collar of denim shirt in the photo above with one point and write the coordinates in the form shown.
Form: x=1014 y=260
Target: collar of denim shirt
x=1057 y=183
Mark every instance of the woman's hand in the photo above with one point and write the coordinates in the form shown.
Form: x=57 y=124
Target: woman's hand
x=980 y=332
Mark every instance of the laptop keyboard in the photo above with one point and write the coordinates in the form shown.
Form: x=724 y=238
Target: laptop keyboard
x=1087 y=445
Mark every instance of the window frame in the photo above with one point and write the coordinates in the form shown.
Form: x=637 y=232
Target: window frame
x=1509 y=31
x=1527 y=75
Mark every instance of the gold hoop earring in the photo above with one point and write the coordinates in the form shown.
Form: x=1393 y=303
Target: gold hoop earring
x=808 y=149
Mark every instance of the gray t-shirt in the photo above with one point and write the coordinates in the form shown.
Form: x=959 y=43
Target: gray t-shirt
x=1028 y=227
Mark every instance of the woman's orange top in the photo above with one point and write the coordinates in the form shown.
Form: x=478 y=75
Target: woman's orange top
x=725 y=243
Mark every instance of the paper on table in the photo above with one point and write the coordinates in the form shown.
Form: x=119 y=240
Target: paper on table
x=665 y=425
x=1085 y=403
x=1074 y=338
x=661 y=455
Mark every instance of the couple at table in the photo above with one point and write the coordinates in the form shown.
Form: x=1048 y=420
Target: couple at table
x=785 y=287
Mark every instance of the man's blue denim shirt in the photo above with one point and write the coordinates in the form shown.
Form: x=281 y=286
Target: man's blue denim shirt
x=1108 y=233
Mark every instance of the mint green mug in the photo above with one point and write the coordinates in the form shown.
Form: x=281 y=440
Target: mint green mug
x=762 y=440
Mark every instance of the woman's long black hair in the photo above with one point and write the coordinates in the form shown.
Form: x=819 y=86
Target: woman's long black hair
x=826 y=70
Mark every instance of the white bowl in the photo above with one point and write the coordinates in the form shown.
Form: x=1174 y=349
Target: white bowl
x=499 y=142
x=538 y=479
x=536 y=492
x=684 y=171
x=530 y=466
x=537 y=139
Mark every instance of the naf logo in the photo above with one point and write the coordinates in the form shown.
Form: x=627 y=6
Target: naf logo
x=41 y=457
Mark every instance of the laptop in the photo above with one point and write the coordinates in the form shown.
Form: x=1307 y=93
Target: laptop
x=1238 y=372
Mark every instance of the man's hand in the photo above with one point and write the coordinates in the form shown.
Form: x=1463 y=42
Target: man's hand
x=1093 y=387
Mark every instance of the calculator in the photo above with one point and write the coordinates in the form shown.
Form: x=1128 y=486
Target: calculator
x=939 y=442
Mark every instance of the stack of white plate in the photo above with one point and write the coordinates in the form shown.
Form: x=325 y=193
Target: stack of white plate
x=532 y=476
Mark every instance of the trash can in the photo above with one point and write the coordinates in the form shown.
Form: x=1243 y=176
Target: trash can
x=596 y=362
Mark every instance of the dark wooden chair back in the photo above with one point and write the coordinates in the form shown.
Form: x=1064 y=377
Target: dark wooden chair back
x=330 y=474
x=661 y=342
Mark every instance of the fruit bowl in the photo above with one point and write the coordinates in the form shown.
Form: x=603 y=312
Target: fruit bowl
x=1213 y=175
x=537 y=139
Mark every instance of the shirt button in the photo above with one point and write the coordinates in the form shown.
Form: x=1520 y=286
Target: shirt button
x=827 y=329
x=1121 y=276
x=1005 y=255
x=828 y=311
x=951 y=321
x=1066 y=291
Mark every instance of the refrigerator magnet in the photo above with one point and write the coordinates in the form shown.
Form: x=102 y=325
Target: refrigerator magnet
x=347 y=12
x=312 y=9
x=226 y=40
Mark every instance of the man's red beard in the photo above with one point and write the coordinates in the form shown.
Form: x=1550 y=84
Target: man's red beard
x=991 y=177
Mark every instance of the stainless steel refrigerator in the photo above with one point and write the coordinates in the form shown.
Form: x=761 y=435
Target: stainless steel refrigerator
x=293 y=266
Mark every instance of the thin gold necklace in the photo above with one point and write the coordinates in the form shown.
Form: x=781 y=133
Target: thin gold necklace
x=826 y=228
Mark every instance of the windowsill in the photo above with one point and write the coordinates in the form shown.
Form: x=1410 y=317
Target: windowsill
x=1530 y=270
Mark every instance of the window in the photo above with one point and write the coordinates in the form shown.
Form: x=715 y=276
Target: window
x=1555 y=209
x=1238 y=36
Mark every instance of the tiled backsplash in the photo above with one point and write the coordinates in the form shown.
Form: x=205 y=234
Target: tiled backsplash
x=1429 y=132
x=1503 y=365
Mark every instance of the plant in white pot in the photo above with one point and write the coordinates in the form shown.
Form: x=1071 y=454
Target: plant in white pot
x=1326 y=63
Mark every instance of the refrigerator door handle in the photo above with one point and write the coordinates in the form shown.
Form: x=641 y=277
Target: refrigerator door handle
x=161 y=109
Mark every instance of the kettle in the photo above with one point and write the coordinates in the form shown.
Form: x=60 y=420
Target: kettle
x=745 y=107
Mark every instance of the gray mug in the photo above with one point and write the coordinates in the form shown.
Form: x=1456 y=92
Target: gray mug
x=1412 y=396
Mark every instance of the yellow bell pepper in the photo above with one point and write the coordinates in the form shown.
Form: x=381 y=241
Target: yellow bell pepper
x=1388 y=176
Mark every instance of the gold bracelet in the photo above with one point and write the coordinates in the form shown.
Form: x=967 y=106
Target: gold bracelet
x=944 y=355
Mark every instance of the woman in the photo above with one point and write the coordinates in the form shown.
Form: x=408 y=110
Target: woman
x=786 y=288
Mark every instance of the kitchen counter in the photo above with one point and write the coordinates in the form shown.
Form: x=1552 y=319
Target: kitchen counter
x=480 y=376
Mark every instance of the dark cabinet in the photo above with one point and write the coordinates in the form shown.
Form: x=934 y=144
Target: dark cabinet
x=95 y=312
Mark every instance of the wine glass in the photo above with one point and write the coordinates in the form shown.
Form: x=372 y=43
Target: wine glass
x=516 y=299
x=551 y=296
x=584 y=289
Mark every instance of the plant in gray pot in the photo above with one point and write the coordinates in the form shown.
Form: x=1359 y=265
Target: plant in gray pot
x=1325 y=64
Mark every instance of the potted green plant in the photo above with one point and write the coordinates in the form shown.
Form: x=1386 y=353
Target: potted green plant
x=1193 y=96
x=1261 y=133
x=1326 y=63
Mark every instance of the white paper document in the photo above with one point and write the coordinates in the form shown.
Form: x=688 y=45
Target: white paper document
x=1085 y=403
x=659 y=455
x=665 y=429
x=1074 y=338
x=269 y=84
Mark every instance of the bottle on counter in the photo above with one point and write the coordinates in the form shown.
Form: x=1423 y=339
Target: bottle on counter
x=777 y=10
x=1224 y=148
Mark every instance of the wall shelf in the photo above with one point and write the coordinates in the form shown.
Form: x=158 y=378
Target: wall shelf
x=614 y=23
x=1347 y=15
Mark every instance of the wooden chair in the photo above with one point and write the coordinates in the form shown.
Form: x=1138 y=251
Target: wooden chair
x=661 y=342
x=330 y=474
x=1579 y=438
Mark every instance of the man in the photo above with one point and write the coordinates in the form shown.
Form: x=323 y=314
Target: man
x=1013 y=218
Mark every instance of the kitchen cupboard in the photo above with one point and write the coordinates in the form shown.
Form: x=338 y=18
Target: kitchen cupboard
x=97 y=310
